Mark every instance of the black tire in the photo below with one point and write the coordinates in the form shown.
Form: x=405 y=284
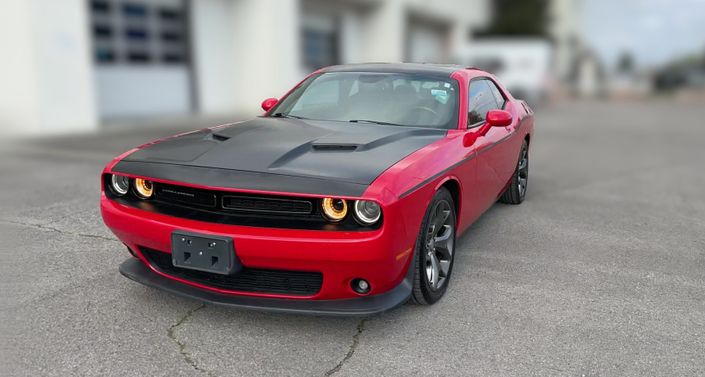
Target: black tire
x=439 y=226
x=516 y=192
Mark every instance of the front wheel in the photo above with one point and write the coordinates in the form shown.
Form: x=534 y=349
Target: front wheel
x=516 y=192
x=435 y=249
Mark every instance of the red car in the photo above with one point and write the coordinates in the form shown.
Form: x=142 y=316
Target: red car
x=345 y=197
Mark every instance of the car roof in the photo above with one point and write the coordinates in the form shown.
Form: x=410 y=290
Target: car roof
x=443 y=69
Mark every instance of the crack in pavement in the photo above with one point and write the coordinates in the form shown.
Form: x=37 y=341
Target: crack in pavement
x=182 y=346
x=351 y=350
x=172 y=329
x=53 y=229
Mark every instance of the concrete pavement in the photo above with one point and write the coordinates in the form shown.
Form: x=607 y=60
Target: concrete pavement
x=601 y=272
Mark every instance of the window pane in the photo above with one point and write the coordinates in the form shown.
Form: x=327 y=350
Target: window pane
x=171 y=36
x=129 y=32
x=138 y=57
x=136 y=34
x=326 y=93
x=400 y=99
x=320 y=48
x=173 y=58
x=100 y=6
x=499 y=98
x=481 y=100
x=102 y=31
x=168 y=14
x=104 y=55
x=134 y=10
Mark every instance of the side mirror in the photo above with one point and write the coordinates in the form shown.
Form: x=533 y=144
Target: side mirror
x=499 y=118
x=269 y=103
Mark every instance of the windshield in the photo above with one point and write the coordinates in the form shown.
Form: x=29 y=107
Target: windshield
x=398 y=99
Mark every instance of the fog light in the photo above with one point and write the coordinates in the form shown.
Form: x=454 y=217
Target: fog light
x=144 y=188
x=360 y=286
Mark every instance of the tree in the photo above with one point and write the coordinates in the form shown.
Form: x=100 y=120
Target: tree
x=518 y=18
x=625 y=63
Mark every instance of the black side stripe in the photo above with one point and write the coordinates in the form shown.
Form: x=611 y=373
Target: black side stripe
x=435 y=176
x=500 y=141
x=466 y=159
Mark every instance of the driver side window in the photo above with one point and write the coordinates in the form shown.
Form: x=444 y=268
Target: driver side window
x=325 y=93
x=481 y=99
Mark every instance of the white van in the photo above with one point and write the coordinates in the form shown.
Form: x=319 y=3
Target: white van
x=523 y=65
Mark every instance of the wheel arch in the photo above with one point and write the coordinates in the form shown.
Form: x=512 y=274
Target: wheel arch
x=452 y=184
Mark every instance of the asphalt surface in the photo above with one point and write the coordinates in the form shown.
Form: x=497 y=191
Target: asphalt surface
x=601 y=272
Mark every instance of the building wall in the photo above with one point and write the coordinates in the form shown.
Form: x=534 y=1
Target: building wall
x=19 y=102
x=243 y=51
x=45 y=69
x=383 y=29
x=267 y=60
x=453 y=19
x=427 y=42
x=567 y=31
x=214 y=51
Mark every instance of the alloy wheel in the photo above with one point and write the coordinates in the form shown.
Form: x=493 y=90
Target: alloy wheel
x=439 y=245
x=523 y=172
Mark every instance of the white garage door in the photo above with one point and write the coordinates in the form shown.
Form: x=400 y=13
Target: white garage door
x=142 y=57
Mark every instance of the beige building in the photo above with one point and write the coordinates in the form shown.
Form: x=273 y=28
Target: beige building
x=567 y=31
x=73 y=65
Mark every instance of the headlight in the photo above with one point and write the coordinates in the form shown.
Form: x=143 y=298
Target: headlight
x=367 y=212
x=334 y=209
x=144 y=188
x=120 y=184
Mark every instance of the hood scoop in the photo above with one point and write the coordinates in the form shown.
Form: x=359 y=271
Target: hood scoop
x=216 y=137
x=335 y=147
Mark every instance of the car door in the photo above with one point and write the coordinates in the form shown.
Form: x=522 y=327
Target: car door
x=491 y=163
x=509 y=146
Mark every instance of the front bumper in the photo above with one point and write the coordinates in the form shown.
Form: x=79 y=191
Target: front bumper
x=382 y=257
x=136 y=270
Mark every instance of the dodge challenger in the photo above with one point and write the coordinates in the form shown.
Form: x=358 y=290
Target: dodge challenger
x=345 y=197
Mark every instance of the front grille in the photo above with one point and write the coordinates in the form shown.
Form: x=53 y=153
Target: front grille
x=267 y=205
x=295 y=283
x=234 y=203
x=183 y=195
x=238 y=208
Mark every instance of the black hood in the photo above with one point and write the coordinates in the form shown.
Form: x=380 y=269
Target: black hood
x=261 y=153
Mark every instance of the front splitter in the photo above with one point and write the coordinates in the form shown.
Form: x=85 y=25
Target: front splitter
x=136 y=270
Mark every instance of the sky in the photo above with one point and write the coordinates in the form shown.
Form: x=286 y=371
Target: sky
x=654 y=31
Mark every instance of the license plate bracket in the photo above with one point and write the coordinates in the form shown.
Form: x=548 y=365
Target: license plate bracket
x=207 y=253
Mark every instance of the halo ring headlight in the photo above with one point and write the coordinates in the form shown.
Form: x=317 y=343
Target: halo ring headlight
x=334 y=209
x=120 y=184
x=144 y=188
x=367 y=212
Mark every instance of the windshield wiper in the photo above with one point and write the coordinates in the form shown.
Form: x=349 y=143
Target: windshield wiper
x=376 y=122
x=282 y=115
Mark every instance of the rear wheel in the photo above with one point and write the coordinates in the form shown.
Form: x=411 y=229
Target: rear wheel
x=435 y=250
x=516 y=191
